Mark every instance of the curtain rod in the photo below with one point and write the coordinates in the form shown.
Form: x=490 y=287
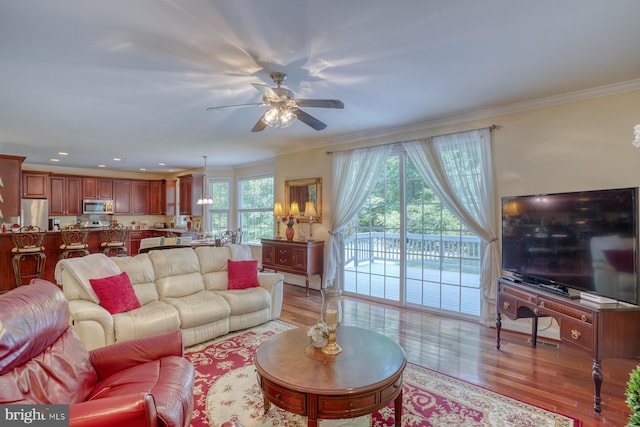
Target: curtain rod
x=491 y=128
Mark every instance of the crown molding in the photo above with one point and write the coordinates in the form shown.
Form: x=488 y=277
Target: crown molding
x=581 y=95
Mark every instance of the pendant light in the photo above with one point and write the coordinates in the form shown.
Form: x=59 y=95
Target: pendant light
x=204 y=200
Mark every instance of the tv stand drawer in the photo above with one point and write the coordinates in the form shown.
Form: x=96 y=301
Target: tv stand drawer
x=522 y=295
x=508 y=305
x=578 y=333
x=560 y=308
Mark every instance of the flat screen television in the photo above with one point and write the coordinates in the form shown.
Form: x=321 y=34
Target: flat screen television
x=580 y=241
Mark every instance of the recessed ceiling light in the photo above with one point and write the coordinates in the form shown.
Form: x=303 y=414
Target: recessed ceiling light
x=172 y=170
x=161 y=164
x=102 y=166
x=55 y=160
x=116 y=159
x=143 y=169
x=62 y=153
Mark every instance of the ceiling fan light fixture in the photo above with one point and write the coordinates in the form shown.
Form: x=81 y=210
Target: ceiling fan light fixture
x=284 y=109
x=279 y=115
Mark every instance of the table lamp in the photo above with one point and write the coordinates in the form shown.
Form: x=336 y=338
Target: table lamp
x=277 y=212
x=294 y=209
x=310 y=211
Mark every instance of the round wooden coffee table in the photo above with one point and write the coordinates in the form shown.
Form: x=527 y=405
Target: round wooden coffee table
x=363 y=378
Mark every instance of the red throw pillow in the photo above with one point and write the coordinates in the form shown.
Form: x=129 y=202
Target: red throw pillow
x=116 y=293
x=243 y=274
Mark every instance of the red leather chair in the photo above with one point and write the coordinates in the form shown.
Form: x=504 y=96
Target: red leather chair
x=145 y=382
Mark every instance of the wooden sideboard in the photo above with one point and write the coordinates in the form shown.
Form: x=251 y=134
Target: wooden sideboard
x=602 y=330
x=294 y=257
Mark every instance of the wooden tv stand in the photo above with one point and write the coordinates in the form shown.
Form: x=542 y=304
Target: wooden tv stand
x=604 y=331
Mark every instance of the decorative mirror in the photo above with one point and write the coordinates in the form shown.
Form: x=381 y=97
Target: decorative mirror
x=302 y=191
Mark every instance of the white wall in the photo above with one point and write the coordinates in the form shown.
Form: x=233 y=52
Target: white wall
x=582 y=145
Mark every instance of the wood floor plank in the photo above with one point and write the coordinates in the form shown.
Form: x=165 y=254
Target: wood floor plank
x=556 y=379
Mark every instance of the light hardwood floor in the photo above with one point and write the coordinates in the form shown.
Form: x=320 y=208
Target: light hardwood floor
x=557 y=379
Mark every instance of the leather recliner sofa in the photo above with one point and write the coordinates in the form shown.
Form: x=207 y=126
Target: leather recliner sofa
x=182 y=288
x=144 y=382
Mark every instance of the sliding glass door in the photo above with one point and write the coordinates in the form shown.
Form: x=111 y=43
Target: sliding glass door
x=406 y=248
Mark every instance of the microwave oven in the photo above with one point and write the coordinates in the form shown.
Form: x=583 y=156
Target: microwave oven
x=94 y=206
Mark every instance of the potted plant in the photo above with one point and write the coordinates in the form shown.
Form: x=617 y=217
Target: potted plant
x=633 y=397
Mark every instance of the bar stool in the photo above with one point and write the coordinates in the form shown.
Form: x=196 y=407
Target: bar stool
x=234 y=237
x=115 y=239
x=29 y=242
x=74 y=242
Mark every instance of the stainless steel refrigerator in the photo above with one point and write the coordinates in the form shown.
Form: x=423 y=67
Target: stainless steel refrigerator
x=34 y=212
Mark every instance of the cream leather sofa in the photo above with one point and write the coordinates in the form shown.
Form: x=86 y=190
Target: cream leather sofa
x=180 y=288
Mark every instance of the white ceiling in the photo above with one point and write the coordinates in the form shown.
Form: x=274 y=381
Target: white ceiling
x=133 y=78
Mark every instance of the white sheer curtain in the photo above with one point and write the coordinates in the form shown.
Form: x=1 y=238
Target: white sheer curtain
x=459 y=169
x=355 y=173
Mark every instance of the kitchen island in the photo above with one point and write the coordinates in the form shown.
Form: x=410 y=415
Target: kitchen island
x=52 y=251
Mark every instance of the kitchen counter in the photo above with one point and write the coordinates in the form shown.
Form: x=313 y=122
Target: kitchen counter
x=52 y=251
x=175 y=230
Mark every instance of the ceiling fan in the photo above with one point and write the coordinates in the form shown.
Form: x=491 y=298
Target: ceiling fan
x=283 y=108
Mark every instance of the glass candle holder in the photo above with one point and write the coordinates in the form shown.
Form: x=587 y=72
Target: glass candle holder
x=331 y=317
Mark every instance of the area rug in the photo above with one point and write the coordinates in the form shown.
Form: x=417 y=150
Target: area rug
x=226 y=388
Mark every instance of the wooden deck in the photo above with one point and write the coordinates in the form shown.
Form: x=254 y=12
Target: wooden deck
x=455 y=291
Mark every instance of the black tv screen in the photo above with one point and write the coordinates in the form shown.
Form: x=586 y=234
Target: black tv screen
x=585 y=241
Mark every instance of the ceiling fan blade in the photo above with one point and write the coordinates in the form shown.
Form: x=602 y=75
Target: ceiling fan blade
x=320 y=103
x=310 y=120
x=267 y=92
x=260 y=125
x=235 y=106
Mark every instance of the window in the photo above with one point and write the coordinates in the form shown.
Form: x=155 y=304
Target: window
x=405 y=247
x=218 y=212
x=255 y=208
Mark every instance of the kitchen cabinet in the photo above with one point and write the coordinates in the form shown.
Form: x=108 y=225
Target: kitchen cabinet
x=97 y=188
x=121 y=197
x=157 y=197
x=170 y=197
x=10 y=167
x=140 y=197
x=130 y=197
x=66 y=192
x=105 y=189
x=191 y=187
x=89 y=188
x=65 y=195
x=35 y=185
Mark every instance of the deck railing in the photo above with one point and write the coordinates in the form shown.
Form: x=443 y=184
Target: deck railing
x=428 y=250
